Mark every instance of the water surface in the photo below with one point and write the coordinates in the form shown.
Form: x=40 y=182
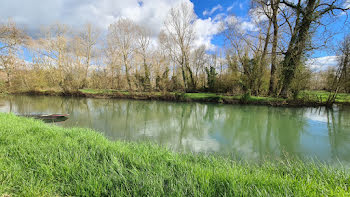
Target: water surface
x=251 y=132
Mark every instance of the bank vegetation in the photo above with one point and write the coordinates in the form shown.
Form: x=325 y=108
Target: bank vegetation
x=268 y=62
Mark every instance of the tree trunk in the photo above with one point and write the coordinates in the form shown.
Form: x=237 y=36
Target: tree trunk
x=87 y=66
x=296 y=48
x=272 y=86
x=8 y=80
x=183 y=72
x=147 y=84
x=193 y=84
x=127 y=72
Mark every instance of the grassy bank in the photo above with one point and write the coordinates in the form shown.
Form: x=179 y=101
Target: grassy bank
x=38 y=159
x=306 y=98
x=323 y=96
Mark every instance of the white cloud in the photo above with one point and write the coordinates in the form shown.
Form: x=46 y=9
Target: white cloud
x=248 y=23
x=234 y=4
x=36 y=13
x=240 y=5
x=322 y=63
x=214 y=9
x=205 y=30
x=230 y=8
x=151 y=13
x=241 y=24
x=257 y=14
x=220 y=17
x=347 y=4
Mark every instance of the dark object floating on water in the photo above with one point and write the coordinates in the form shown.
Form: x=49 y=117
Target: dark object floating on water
x=48 y=117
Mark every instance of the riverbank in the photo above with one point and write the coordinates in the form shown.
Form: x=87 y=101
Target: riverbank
x=39 y=159
x=305 y=99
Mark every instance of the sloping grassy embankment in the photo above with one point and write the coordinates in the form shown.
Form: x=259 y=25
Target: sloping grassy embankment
x=38 y=159
x=322 y=96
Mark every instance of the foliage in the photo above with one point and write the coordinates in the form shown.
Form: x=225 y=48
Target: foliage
x=2 y=87
x=344 y=64
x=301 y=80
x=211 y=74
x=246 y=97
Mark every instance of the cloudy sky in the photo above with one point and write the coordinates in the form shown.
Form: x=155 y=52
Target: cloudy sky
x=33 y=14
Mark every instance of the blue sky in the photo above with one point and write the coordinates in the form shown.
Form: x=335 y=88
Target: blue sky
x=241 y=9
x=227 y=7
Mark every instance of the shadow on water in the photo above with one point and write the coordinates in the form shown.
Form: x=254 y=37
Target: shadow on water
x=249 y=132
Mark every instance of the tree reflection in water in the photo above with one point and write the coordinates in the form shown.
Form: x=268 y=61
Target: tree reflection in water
x=252 y=132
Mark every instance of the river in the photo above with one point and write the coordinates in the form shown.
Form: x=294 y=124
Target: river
x=248 y=132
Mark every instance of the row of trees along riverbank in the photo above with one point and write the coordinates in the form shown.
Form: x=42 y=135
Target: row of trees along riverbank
x=268 y=61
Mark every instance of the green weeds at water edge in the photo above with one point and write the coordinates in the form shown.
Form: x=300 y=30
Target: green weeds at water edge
x=304 y=99
x=38 y=159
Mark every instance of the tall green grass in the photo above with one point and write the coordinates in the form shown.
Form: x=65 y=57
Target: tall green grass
x=323 y=96
x=317 y=97
x=38 y=159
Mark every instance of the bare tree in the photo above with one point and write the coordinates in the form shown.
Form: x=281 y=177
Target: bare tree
x=341 y=78
x=143 y=49
x=89 y=37
x=63 y=53
x=122 y=36
x=11 y=38
x=274 y=5
x=199 y=58
x=180 y=29
x=250 y=48
x=112 y=61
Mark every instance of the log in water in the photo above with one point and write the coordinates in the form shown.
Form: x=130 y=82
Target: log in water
x=49 y=118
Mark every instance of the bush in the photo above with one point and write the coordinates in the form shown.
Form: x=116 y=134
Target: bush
x=246 y=97
x=301 y=80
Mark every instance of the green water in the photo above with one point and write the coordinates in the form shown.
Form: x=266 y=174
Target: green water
x=249 y=132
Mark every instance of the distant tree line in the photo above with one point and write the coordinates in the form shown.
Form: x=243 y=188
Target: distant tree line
x=267 y=61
